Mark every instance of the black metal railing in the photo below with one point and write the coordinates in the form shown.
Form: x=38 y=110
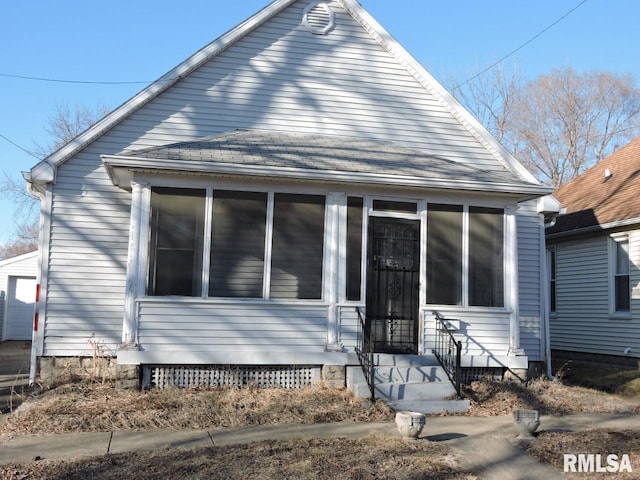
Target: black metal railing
x=448 y=351
x=364 y=349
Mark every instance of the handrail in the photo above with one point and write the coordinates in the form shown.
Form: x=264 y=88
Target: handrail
x=448 y=351
x=364 y=349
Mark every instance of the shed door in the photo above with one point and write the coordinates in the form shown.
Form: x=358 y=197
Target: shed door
x=21 y=296
x=392 y=284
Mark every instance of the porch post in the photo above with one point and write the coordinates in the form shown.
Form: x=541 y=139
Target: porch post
x=335 y=230
x=511 y=280
x=136 y=261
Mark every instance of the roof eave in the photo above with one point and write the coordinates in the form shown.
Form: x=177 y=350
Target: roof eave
x=600 y=227
x=121 y=169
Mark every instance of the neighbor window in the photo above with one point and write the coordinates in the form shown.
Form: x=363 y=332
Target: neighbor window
x=620 y=273
x=465 y=269
x=262 y=245
x=551 y=275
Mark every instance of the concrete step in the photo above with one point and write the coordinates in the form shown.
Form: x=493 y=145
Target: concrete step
x=389 y=359
x=407 y=374
x=431 y=406
x=415 y=390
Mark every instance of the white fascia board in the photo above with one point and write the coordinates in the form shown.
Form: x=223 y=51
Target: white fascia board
x=40 y=173
x=386 y=40
x=121 y=168
x=18 y=258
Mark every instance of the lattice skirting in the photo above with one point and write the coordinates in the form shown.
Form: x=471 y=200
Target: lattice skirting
x=163 y=376
x=472 y=374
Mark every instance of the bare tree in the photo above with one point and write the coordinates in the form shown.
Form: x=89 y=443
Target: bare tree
x=490 y=98
x=557 y=124
x=64 y=125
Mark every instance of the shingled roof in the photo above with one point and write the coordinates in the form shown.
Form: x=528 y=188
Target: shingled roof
x=605 y=195
x=320 y=157
x=318 y=152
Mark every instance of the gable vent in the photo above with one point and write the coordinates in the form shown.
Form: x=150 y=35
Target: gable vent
x=318 y=18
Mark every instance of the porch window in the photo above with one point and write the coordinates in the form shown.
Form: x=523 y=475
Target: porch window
x=620 y=272
x=486 y=252
x=465 y=255
x=354 y=248
x=298 y=242
x=262 y=245
x=444 y=254
x=238 y=244
x=176 y=241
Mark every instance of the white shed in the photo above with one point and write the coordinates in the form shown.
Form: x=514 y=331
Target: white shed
x=17 y=296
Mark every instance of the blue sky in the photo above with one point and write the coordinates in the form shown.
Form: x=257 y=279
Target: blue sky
x=140 y=40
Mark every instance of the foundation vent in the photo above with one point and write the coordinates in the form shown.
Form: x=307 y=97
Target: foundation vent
x=318 y=18
x=290 y=377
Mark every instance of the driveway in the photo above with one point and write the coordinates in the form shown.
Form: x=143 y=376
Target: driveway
x=14 y=373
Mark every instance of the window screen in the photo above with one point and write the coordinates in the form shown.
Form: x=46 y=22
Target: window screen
x=354 y=247
x=486 y=252
x=444 y=254
x=237 y=244
x=297 y=248
x=176 y=243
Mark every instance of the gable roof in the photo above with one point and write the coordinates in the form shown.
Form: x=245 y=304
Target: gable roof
x=45 y=171
x=317 y=157
x=604 y=196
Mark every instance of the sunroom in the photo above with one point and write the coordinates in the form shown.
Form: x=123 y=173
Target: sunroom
x=261 y=249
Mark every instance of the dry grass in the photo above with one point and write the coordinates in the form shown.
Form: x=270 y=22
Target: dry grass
x=551 y=446
x=338 y=458
x=88 y=407
x=549 y=397
x=100 y=407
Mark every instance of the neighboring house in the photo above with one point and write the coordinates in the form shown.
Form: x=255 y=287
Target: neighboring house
x=17 y=296
x=593 y=255
x=240 y=210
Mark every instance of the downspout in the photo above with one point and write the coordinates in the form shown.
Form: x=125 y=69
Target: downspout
x=38 y=191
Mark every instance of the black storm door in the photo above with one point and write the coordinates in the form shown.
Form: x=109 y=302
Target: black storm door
x=393 y=272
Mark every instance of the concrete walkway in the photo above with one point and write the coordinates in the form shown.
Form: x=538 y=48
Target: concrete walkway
x=484 y=445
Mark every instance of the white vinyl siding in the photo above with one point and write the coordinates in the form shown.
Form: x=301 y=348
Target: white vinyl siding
x=583 y=322
x=530 y=257
x=280 y=78
x=231 y=327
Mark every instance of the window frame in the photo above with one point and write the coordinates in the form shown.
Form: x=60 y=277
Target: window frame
x=207 y=240
x=614 y=242
x=466 y=252
x=551 y=259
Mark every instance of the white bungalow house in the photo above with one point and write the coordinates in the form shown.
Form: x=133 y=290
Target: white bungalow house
x=243 y=208
x=17 y=296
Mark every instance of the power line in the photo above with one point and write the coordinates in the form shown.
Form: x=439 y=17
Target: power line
x=523 y=45
x=85 y=82
x=18 y=146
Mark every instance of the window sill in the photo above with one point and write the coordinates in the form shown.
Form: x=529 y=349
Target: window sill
x=620 y=316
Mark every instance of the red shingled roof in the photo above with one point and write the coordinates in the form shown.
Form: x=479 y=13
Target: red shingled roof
x=607 y=192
